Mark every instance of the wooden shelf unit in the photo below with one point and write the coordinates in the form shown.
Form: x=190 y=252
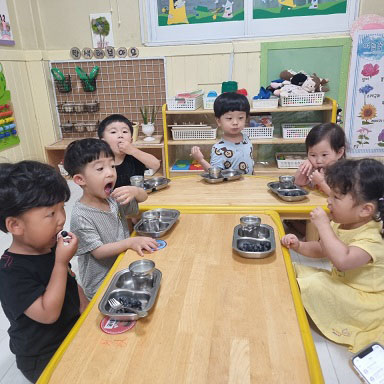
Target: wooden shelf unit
x=179 y=149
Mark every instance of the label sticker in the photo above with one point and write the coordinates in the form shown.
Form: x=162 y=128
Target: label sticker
x=114 y=327
x=161 y=244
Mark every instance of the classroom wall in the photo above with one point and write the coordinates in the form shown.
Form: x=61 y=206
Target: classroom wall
x=46 y=29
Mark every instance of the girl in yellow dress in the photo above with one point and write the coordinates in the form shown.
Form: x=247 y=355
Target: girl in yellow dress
x=347 y=302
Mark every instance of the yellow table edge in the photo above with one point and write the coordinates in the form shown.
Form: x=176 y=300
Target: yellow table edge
x=314 y=368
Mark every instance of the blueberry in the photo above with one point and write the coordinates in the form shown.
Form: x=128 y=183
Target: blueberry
x=64 y=233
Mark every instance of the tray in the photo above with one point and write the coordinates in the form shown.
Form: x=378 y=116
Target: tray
x=155 y=184
x=125 y=285
x=262 y=236
x=292 y=194
x=227 y=175
x=168 y=217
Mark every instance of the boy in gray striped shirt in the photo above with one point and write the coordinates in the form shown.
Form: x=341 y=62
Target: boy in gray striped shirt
x=99 y=217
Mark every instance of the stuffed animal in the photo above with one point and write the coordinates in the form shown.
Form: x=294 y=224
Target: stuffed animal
x=297 y=83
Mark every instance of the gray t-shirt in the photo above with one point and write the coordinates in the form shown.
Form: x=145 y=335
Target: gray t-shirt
x=95 y=227
x=238 y=156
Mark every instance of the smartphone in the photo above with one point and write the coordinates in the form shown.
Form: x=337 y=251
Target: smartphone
x=369 y=363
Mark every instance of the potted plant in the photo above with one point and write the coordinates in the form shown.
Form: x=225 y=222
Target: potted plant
x=148 y=113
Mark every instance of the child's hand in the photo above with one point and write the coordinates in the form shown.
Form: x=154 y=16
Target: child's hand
x=291 y=241
x=66 y=247
x=319 y=217
x=196 y=154
x=140 y=243
x=317 y=177
x=123 y=195
x=306 y=168
x=126 y=147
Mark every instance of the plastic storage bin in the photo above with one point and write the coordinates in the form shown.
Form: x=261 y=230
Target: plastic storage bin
x=296 y=130
x=259 y=132
x=272 y=102
x=193 y=134
x=290 y=159
x=185 y=103
x=315 y=98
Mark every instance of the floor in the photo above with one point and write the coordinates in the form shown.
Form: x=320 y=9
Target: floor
x=334 y=359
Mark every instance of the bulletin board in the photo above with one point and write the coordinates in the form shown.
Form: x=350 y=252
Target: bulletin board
x=122 y=86
x=328 y=58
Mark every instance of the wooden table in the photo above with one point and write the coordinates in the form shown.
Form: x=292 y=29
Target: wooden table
x=192 y=193
x=218 y=318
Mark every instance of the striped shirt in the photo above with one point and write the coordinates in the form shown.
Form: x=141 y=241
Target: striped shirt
x=94 y=228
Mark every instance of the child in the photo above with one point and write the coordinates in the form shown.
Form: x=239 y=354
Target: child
x=98 y=220
x=38 y=292
x=325 y=145
x=234 y=150
x=346 y=303
x=117 y=131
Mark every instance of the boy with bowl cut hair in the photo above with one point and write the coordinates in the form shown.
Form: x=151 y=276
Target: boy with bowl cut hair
x=234 y=150
x=38 y=292
x=99 y=217
x=117 y=131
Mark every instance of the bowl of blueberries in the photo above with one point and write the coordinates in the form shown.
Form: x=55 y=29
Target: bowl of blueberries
x=287 y=190
x=252 y=239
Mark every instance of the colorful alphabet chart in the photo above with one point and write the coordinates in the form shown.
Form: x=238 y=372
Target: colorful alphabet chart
x=364 y=123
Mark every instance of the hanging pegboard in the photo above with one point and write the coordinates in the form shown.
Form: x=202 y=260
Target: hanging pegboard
x=122 y=86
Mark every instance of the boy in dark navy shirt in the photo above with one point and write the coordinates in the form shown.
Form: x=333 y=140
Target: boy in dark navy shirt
x=38 y=291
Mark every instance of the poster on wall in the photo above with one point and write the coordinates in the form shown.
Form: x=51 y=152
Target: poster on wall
x=101 y=29
x=171 y=12
x=364 y=120
x=268 y=9
x=6 y=37
x=182 y=21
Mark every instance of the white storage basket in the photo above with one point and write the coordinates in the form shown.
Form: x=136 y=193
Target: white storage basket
x=296 y=130
x=193 y=134
x=315 y=98
x=185 y=103
x=272 y=102
x=290 y=159
x=259 y=132
x=209 y=101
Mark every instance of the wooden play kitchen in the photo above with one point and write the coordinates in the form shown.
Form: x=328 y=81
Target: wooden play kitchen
x=218 y=317
x=192 y=194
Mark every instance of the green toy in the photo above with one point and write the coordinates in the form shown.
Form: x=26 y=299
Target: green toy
x=5 y=95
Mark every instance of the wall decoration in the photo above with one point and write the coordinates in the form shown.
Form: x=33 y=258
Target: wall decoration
x=6 y=37
x=8 y=133
x=172 y=12
x=182 y=21
x=271 y=9
x=365 y=107
x=101 y=28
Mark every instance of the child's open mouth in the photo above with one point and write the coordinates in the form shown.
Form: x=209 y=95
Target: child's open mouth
x=108 y=188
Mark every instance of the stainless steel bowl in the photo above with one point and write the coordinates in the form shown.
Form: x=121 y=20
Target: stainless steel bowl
x=142 y=267
x=215 y=172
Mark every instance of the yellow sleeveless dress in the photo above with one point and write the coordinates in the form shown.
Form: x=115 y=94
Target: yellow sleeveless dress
x=348 y=307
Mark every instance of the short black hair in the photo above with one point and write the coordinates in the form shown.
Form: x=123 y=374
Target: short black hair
x=81 y=152
x=229 y=102
x=363 y=179
x=326 y=131
x=112 y=119
x=29 y=184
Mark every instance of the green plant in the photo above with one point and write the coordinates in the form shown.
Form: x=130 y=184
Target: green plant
x=148 y=113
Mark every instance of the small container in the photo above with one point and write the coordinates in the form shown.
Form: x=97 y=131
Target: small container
x=135 y=131
x=79 y=127
x=214 y=172
x=249 y=224
x=142 y=267
x=287 y=181
x=137 y=181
